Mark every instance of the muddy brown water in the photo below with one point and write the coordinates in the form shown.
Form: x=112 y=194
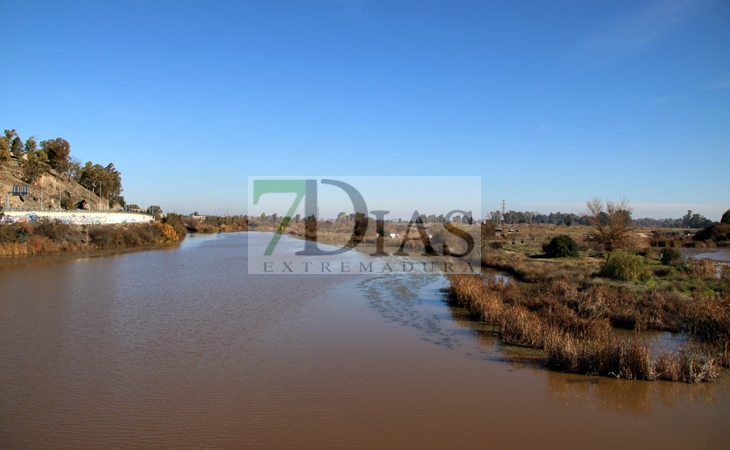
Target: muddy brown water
x=181 y=348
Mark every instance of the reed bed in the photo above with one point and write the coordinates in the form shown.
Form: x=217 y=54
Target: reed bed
x=575 y=327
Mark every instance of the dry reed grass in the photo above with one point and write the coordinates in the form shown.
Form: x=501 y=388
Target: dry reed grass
x=574 y=327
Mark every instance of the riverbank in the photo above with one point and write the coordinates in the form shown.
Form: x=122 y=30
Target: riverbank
x=569 y=309
x=50 y=237
x=46 y=237
x=217 y=224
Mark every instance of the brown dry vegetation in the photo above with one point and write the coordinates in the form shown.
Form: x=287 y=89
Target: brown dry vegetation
x=220 y=224
x=575 y=326
x=49 y=237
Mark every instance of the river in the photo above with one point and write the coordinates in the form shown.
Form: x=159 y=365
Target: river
x=181 y=348
x=716 y=254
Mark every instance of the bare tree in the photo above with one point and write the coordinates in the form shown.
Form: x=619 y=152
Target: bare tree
x=612 y=222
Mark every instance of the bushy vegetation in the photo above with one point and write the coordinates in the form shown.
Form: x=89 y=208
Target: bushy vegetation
x=215 y=224
x=562 y=246
x=625 y=267
x=177 y=224
x=670 y=256
x=718 y=233
x=725 y=217
x=47 y=237
x=570 y=308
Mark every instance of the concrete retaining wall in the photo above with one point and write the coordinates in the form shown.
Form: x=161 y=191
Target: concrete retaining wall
x=77 y=217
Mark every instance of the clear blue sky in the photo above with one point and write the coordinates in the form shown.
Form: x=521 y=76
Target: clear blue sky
x=551 y=104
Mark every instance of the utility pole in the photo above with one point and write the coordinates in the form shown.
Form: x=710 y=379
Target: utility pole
x=503 y=211
x=93 y=188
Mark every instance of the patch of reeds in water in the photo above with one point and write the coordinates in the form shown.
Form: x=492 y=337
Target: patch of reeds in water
x=574 y=328
x=631 y=359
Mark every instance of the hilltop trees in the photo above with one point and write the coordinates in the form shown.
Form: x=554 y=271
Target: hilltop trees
x=55 y=154
x=5 y=146
x=30 y=146
x=58 y=152
x=16 y=144
x=612 y=222
x=4 y=150
x=6 y=141
x=106 y=181
x=35 y=165
x=74 y=168
x=17 y=147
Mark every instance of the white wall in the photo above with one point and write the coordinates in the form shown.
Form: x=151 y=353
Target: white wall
x=78 y=217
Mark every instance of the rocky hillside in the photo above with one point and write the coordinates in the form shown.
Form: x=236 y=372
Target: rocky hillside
x=54 y=187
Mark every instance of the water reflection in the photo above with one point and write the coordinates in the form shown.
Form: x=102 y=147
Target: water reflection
x=621 y=396
x=633 y=397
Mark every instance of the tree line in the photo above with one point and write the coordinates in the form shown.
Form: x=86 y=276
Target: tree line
x=36 y=158
x=518 y=217
x=689 y=220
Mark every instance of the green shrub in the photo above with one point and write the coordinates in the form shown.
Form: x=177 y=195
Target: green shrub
x=625 y=267
x=176 y=221
x=68 y=204
x=719 y=232
x=671 y=256
x=562 y=246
